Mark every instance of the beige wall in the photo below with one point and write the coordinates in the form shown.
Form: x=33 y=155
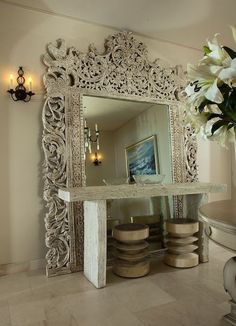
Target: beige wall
x=95 y=174
x=154 y=121
x=24 y=35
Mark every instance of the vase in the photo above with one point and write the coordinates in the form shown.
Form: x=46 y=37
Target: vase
x=229 y=273
x=230 y=287
x=233 y=171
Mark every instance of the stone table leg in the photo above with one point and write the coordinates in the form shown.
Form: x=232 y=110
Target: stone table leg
x=230 y=287
x=191 y=206
x=95 y=242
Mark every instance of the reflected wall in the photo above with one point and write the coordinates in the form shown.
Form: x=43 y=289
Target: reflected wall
x=122 y=124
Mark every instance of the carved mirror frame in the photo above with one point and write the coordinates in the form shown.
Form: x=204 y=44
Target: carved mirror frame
x=123 y=71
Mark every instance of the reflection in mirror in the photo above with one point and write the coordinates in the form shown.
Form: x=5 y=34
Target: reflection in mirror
x=134 y=138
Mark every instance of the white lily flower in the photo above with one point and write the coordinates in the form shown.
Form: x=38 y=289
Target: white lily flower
x=200 y=73
x=207 y=81
x=217 y=55
x=229 y=73
x=190 y=89
x=214 y=94
x=196 y=98
x=213 y=108
x=213 y=73
x=233 y=28
x=196 y=119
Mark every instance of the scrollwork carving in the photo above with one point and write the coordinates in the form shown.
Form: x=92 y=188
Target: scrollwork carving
x=191 y=154
x=123 y=70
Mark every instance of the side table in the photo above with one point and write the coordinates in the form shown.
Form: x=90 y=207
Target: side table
x=220 y=220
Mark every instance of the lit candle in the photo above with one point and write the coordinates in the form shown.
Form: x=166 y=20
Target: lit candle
x=85 y=123
x=30 y=84
x=11 y=81
x=96 y=127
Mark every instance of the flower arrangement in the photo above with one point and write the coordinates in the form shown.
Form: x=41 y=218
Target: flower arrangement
x=211 y=92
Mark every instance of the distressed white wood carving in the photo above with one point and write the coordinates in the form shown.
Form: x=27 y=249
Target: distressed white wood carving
x=122 y=71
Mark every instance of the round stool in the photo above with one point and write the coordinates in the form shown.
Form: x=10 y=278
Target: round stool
x=180 y=243
x=131 y=250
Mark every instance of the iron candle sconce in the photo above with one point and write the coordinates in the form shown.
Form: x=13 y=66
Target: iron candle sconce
x=20 y=93
x=97 y=159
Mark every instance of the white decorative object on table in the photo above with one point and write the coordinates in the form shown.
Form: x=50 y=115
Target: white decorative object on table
x=149 y=179
x=115 y=181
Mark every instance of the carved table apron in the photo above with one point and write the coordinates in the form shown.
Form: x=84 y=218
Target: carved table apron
x=220 y=220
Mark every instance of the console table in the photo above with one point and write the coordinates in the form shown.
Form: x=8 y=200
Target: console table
x=95 y=215
x=220 y=219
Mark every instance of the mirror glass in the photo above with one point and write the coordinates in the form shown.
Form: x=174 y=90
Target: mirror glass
x=134 y=138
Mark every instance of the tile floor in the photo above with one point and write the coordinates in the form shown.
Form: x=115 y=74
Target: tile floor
x=166 y=297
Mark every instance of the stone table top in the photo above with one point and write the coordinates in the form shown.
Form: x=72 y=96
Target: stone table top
x=92 y=193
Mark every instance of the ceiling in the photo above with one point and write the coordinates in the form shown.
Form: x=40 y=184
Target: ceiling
x=111 y=114
x=185 y=22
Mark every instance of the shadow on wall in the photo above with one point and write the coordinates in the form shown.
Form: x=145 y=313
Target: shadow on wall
x=22 y=206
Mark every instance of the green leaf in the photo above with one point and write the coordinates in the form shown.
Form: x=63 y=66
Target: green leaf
x=206 y=49
x=230 y=125
x=217 y=125
x=215 y=115
x=203 y=104
x=232 y=101
x=228 y=106
x=230 y=52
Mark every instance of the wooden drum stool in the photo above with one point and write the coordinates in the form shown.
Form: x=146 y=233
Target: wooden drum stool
x=180 y=243
x=131 y=250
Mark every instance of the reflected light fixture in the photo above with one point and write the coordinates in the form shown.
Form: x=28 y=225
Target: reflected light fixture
x=96 y=158
x=90 y=138
x=20 y=93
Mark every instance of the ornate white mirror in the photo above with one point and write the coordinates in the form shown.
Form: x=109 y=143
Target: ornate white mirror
x=78 y=83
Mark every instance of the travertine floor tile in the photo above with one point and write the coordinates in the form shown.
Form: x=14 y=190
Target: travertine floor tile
x=121 y=317
x=184 y=313
x=11 y=284
x=166 y=297
x=33 y=324
x=70 y=322
x=93 y=306
x=4 y=315
x=26 y=313
x=140 y=294
x=170 y=314
x=57 y=311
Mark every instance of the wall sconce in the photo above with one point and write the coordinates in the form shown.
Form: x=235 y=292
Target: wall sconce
x=20 y=93
x=96 y=158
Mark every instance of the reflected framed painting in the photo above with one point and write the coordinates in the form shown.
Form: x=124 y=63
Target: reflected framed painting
x=141 y=158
